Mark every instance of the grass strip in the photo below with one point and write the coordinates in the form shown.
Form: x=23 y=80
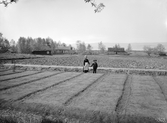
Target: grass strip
x=51 y=114
x=160 y=86
x=20 y=76
x=5 y=88
x=34 y=92
x=84 y=89
x=11 y=73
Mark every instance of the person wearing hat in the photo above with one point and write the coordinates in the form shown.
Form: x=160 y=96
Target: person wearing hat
x=94 y=65
x=86 y=65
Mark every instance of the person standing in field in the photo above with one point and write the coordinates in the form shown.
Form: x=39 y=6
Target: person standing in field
x=94 y=65
x=86 y=65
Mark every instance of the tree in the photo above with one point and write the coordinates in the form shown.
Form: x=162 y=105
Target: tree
x=117 y=46
x=101 y=47
x=13 y=46
x=148 y=50
x=50 y=43
x=30 y=44
x=160 y=48
x=98 y=7
x=21 y=45
x=129 y=48
x=89 y=47
x=81 y=47
x=4 y=44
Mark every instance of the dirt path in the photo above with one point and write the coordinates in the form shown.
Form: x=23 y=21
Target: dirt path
x=25 y=80
x=146 y=98
x=80 y=67
x=26 y=90
x=65 y=92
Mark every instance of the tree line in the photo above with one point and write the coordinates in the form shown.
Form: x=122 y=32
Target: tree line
x=27 y=45
x=159 y=49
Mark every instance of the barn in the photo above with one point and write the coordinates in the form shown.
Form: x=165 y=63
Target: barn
x=116 y=50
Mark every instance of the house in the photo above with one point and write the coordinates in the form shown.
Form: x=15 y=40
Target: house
x=116 y=50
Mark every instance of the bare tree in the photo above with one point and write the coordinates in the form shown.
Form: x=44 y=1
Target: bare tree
x=117 y=46
x=148 y=50
x=160 y=48
x=13 y=46
x=81 y=47
x=101 y=47
x=129 y=48
x=89 y=47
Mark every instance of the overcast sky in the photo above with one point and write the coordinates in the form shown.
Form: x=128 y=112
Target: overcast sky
x=121 y=21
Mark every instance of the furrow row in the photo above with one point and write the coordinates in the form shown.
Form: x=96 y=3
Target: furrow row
x=118 y=107
x=81 y=91
x=62 y=93
x=13 y=76
x=26 y=90
x=162 y=83
x=43 y=89
x=26 y=80
x=102 y=95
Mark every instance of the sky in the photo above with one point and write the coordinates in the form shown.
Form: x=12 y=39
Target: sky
x=121 y=21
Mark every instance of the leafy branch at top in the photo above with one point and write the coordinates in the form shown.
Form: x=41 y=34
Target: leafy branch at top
x=6 y=2
x=98 y=7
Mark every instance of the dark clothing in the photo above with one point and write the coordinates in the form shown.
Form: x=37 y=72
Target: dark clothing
x=94 y=65
x=85 y=71
x=86 y=60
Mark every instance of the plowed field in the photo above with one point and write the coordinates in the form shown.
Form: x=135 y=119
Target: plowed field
x=117 y=94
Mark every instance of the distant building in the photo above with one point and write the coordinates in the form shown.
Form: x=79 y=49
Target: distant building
x=58 y=50
x=62 y=50
x=116 y=50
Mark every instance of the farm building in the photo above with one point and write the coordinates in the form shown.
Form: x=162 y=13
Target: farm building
x=64 y=50
x=58 y=50
x=116 y=50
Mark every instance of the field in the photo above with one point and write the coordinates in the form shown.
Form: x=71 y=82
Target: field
x=140 y=62
x=62 y=96
x=79 y=97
